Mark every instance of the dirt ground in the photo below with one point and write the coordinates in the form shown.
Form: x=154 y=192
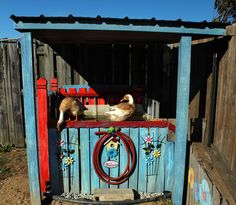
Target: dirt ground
x=14 y=185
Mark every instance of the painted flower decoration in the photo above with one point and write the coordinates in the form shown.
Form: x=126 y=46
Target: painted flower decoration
x=69 y=160
x=148 y=139
x=204 y=193
x=149 y=160
x=191 y=177
x=60 y=143
x=157 y=153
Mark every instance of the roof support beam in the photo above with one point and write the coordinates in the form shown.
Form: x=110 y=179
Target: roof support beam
x=30 y=118
x=183 y=84
x=114 y=27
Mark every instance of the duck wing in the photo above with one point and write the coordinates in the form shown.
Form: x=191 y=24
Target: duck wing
x=122 y=110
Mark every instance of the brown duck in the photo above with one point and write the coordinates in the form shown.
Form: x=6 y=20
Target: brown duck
x=71 y=106
x=123 y=110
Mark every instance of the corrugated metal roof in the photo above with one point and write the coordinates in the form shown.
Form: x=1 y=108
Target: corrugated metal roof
x=118 y=21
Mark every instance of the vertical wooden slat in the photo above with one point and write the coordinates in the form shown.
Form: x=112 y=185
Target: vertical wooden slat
x=182 y=116
x=169 y=165
x=161 y=170
x=123 y=157
x=48 y=62
x=8 y=91
x=153 y=168
x=11 y=87
x=142 y=177
x=63 y=67
x=94 y=177
x=133 y=180
x=30 y=118
x=85 y=160
x=65 y=170
x=75 y=167
x=3 y=108
x=114 y=172
x=42 y=103
x=56 y=173
x=104 y=158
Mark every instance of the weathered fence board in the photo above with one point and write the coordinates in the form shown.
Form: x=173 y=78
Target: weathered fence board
x=11 y=117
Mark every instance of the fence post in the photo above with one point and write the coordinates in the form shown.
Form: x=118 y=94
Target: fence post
x=183 y=84
x=30 y=118
x=43 y=132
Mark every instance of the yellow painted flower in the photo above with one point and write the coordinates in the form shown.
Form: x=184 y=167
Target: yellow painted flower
x=191 y=177
x=157 y=153
x=69 y=160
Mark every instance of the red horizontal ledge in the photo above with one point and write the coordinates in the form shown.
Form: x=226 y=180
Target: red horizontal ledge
x=89 y=124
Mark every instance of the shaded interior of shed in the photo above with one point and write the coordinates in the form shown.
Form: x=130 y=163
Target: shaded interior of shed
x=123 y=66
x=117 y=67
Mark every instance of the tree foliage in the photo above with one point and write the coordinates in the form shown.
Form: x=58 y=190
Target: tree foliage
x=226 y=10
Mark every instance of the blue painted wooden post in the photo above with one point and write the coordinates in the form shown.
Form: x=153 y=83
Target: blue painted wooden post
x=30 y=118
x=183 y=83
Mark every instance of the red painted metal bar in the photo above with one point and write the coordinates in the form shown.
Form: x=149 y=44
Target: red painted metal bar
x=43 y=132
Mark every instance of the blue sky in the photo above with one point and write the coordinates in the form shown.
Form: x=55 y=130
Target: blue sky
x=187 y=10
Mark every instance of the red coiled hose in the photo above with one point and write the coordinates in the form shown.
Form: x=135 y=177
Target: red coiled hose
x=131 y=152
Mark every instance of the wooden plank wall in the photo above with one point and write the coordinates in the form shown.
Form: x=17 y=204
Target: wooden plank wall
x=80 y=177
x=225 y=136
x=11 y=117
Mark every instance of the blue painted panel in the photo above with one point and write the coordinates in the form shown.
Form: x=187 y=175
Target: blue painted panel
x=55 y=171
x=85 y=160
x=161 y=170
x=123 y=157
x=30 y=118
x=142 y=177
x=65 y=170
x=115 y=27
x=139 y=180
x=133 y=180
x=94 y=178
x=75 y=167
x=183 y=82
x=169 y=166
x=104 y=158
x=154 y=167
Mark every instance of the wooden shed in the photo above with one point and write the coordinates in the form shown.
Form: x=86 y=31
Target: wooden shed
x=108 y=57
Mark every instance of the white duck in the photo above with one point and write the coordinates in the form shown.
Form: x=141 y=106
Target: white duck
x=123 y=110
x=71 y=106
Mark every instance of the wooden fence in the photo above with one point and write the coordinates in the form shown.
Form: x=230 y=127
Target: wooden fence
x=11 y=117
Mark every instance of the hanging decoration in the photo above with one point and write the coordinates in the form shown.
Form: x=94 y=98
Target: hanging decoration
x=110 y=141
